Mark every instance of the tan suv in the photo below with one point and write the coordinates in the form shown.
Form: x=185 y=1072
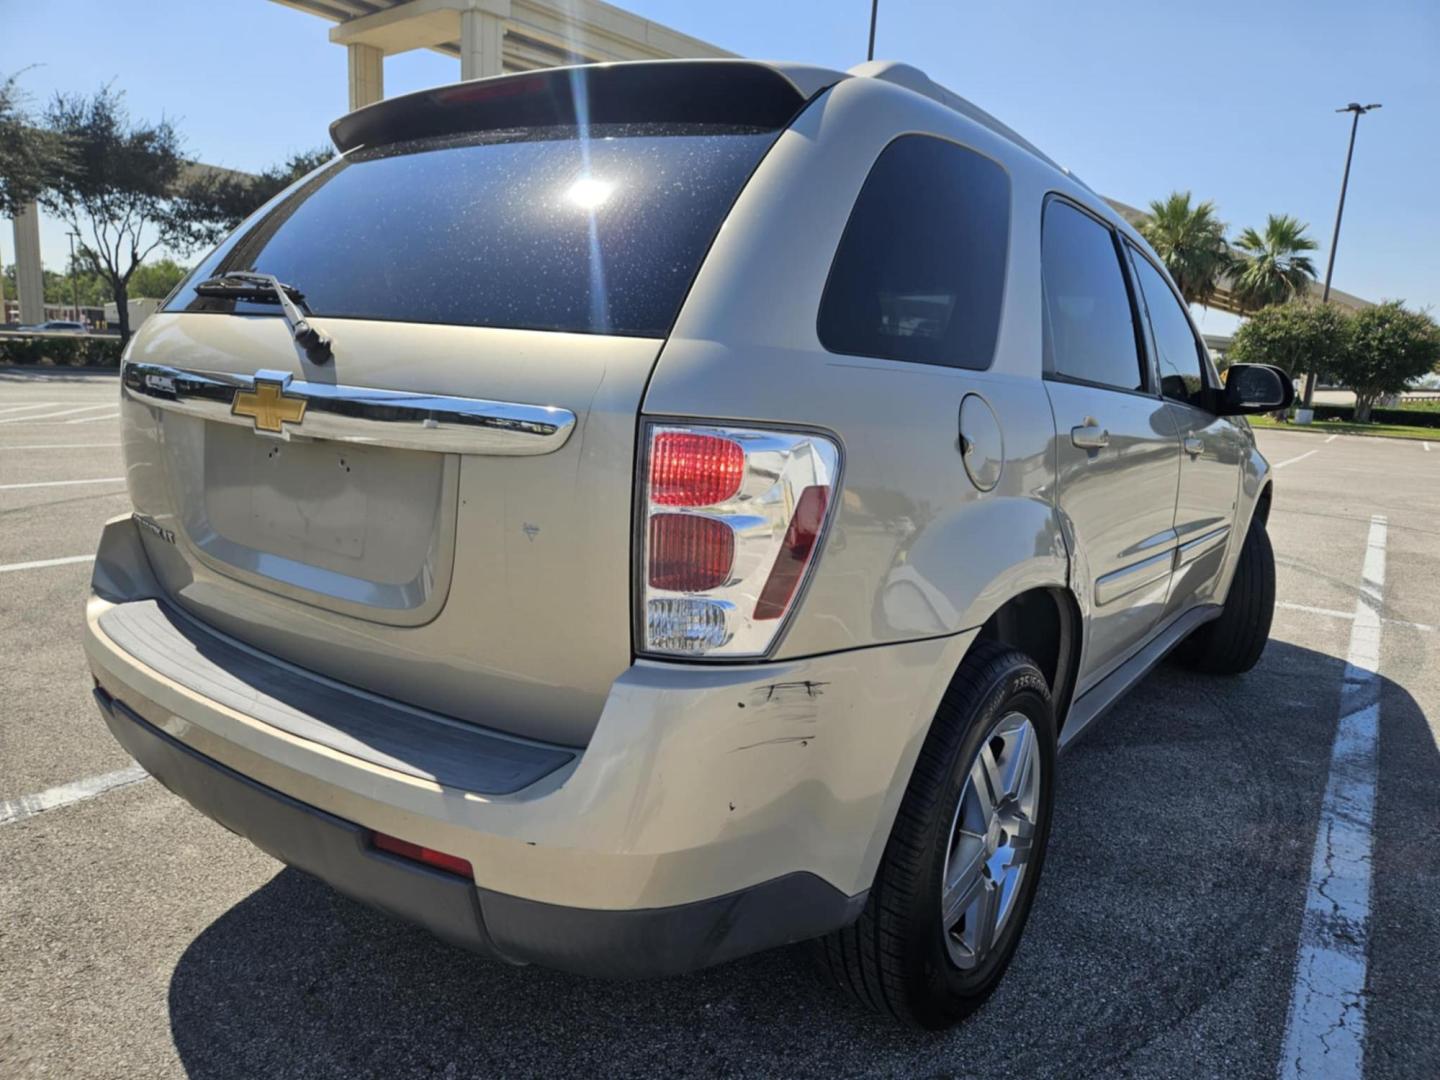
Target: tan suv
x=622 y=518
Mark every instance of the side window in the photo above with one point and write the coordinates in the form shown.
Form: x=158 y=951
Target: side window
x=1089 y=326
x=920 y=272
x=1181 y=376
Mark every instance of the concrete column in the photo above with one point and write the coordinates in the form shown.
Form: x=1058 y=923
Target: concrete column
x=482 y=39
x=29 y=276
x=367 y=75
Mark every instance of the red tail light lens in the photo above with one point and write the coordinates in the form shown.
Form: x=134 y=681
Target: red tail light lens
x=429 y=856
x=689 y=553
x=795 y=552
x=694 y=469
x=733 y=521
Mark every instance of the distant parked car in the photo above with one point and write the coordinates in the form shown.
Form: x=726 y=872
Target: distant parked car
x=58 y=326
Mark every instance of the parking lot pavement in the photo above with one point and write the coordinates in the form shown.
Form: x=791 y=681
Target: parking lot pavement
x=139 y=939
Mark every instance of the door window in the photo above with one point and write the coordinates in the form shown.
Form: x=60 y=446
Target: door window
x=1089 y=324
x=1182 y=374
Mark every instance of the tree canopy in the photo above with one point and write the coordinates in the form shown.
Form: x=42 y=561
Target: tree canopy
x=1272 y=266
x=1386 y=347
x=1190 y=239
x=1297 y=337
x=30 y=157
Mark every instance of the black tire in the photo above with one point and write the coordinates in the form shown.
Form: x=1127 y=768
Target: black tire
x=1232 y=644
x=894 y=959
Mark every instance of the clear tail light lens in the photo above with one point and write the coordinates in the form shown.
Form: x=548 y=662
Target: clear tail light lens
x=734 y=519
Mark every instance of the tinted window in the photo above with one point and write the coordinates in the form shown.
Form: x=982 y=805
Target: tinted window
x=532 y=229
x=920 y=272
x=1176 y=349
x=1089 y=329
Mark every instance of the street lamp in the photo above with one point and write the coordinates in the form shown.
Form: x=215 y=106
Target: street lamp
x=1358 y=110
x=74 y=287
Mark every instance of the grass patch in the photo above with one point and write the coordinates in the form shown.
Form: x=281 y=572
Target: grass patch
x=1343 y=427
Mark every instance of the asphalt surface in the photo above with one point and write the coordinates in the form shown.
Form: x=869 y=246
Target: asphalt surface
x=139 y=939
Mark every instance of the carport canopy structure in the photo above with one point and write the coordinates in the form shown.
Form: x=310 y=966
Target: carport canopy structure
x=492 y=37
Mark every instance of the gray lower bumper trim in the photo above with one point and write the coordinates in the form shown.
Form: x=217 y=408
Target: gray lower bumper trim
x=624 y=944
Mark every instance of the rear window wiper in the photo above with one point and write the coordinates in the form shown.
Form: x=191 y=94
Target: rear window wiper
x=267 y=288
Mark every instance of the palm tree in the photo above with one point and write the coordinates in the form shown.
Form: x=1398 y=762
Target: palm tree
x=1190 y=240
x=1272 y=267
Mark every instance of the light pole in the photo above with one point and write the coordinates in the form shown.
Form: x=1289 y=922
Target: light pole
x=74 y=286
x=1358 y=110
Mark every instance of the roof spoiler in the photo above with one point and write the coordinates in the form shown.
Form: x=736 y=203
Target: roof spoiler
x=736 y=92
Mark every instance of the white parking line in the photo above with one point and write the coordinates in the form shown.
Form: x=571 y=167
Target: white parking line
x=12 y=810
x=92 y=419
x=1332 y=613
x=1332 y=438
x=1426 y=445
x=40 y=564
x=1291 y=461
x=34 y=418
x=63 y=483
x=33 y=405
x=1325 y=1033
x=64 y=446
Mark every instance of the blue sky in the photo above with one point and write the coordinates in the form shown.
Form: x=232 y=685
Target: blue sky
x=1231 y=100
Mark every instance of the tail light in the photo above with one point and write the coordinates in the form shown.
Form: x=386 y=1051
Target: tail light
x=733 y=521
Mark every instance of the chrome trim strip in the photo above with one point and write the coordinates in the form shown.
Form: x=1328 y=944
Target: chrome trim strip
x=1137 y=575
x=1191 y=550
x=357 y=414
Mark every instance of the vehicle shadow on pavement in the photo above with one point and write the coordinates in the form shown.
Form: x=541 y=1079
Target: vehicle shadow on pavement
x=1162 y=941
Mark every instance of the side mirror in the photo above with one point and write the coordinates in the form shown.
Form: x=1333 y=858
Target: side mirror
x=1255 y=388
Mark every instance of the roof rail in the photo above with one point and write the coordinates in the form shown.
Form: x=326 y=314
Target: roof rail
x=912 y=78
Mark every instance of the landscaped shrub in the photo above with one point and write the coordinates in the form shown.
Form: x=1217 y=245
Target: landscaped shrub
x=60 y=350
x=1410 y=417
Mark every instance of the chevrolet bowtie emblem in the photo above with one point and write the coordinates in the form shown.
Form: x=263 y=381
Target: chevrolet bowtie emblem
x=269 y=406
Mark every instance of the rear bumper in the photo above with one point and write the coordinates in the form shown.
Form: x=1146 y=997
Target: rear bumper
x=625 y=944
x=716 y=810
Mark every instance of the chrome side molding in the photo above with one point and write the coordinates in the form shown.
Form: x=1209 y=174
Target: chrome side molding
x=277 y=404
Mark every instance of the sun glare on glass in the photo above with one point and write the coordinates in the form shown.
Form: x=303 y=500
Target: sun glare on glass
x=589 y=193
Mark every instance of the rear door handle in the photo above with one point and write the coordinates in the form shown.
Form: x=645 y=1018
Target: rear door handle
x=1193 y=446
x=1089 y=436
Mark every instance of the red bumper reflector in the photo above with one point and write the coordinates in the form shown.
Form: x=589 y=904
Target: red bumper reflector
x=429 y=856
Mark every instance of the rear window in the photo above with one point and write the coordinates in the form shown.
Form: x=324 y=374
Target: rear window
x=534 y=229
x=920 y=272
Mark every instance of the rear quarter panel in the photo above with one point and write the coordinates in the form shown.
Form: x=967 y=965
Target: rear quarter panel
x=914 y=548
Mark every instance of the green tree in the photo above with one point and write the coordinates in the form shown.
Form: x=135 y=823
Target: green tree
x=1271 y=266
x=1191 y=242
x=156 y=278
x=1299 y=338
x=1385 y=348
x=30 y=157
x=117 y=188
x=215 y=201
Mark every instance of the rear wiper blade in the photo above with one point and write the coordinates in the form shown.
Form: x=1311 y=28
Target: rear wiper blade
x=249 y=285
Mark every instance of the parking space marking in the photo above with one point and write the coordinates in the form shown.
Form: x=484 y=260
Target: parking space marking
x=1325 y=1032
x=33 y=405
x=93 y=419
x=1332 y=613
x=1426 y=445
x=34 y=418
x=1332 y=438
x=63 y=483
x=18 y=809
x=1291 y=461
x=40 y=564
x=65 y=446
